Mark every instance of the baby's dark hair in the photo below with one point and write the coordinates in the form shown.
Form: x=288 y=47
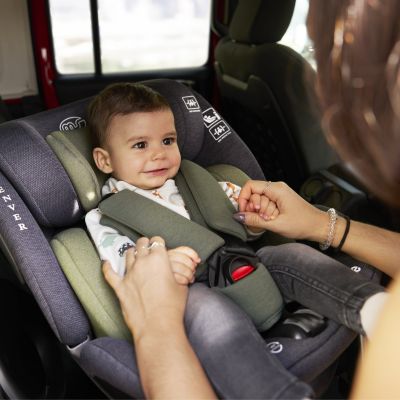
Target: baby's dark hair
x=120 y=98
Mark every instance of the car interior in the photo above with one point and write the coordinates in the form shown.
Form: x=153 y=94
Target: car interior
x=64 y=335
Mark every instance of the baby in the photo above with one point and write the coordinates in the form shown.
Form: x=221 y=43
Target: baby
x=135 y=141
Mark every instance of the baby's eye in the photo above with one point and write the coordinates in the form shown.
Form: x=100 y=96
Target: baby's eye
x=168 y=141
x=139 y=145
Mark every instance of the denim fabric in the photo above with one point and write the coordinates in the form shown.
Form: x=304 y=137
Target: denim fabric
x=319 y=282
x=232 y=352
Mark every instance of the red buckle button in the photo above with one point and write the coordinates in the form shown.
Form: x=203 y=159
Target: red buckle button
x=241 y=272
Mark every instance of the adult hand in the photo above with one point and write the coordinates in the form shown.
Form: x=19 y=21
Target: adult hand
x=297 y=218
x=148 y=291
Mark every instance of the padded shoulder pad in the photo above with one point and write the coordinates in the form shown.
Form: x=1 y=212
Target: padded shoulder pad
x=82 y=267
x=228 y=173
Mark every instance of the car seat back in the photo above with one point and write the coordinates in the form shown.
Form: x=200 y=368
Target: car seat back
x=267 y=93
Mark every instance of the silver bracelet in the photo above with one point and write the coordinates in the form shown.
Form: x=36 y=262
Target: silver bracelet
x=331 y=229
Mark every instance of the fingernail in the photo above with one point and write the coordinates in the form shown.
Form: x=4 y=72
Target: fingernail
x=239 y=217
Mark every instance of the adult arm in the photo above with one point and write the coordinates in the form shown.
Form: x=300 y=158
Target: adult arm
x=153 y=306
x=298 y=219
x=377 y=374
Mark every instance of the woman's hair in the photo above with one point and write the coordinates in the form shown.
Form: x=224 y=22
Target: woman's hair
x=120 y=98
x=357 y=50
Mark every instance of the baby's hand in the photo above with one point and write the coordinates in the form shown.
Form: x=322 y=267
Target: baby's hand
x=184 y=261
x=263 y=206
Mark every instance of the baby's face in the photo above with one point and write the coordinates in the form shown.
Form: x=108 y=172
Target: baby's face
x=142 y=148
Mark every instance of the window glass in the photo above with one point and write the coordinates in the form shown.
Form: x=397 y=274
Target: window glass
x=296 y=36
x=139 y=35
x=72 y=36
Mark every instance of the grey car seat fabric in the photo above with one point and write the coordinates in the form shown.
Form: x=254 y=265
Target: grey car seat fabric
x=39 y=201
x=267 y=92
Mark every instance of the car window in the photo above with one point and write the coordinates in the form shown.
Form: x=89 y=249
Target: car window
x=296 y=35
x=132 y=35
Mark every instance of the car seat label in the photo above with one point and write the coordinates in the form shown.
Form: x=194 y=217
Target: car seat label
x=7 y=199
x=191 y=103
x=217 y=127
x=71 y=123
x=275 y=347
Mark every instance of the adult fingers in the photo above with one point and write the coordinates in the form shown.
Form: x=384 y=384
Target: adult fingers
x=112 y=278
x=275 y=213
x=129 y=259
x=270 y=209
x=157 y=243
x=249 y=188
x=142 y=247
x=264 y=201
x=251 y=219
x=255 y=200
x=277 y=191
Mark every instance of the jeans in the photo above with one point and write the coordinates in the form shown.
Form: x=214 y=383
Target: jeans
x=232 y=352
x=318 y=282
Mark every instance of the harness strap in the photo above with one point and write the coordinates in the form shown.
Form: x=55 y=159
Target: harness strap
x=213 y=204
x=144 y=217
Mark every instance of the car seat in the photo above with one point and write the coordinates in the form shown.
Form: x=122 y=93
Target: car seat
x=42 y=203
x=267 y=92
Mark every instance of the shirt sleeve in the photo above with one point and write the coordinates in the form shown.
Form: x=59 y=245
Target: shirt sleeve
x=233 y=191
x=109 y=243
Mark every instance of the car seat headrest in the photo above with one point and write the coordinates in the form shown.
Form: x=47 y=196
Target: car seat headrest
x=260 y=21
x=74 y=150
x=34 y=170
x=58 y=193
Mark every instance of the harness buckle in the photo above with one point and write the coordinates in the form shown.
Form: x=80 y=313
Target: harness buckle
x=229 y=264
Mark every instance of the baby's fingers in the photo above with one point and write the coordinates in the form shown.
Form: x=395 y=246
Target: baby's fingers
x=255 y=200
x=183 y=275
x=271 y=209
x=275 y=213
x=188 y=252
x=264 y=202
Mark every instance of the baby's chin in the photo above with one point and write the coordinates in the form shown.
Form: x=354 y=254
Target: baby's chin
x=155 y=184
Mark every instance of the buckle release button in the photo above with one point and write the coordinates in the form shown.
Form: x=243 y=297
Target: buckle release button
x=241 y=272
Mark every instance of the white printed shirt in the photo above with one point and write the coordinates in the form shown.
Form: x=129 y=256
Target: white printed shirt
x=111 y=245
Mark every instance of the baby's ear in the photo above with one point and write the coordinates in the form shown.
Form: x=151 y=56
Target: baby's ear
x=102 y=160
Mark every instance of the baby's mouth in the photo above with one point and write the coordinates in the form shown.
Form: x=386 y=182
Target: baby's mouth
x=159 y=171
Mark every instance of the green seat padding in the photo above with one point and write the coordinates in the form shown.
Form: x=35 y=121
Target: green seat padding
x=74 y=150
x=258 y=296
x=81 y=265
x=230 y=173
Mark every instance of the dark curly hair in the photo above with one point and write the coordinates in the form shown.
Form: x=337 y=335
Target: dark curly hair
x=120 y=98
